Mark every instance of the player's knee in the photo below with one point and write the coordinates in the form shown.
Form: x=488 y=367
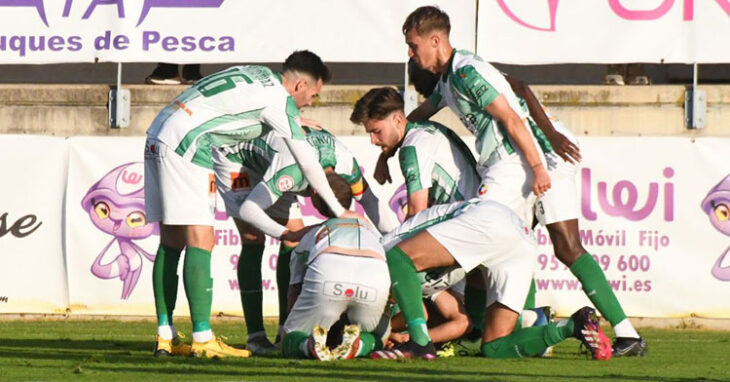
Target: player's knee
x=252 y=238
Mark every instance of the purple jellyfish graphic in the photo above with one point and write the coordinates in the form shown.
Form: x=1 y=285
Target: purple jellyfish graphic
x=116 y=206
x=717 y=206
x=399 y=202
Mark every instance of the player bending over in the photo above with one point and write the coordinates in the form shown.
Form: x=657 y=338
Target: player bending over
x=478 y=233
x=339 y=267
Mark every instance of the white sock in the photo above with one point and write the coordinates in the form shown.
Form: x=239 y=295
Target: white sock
x=204 y=336
x=528 y=318
x=260 y=333
x=166 y=332
x=625 y=329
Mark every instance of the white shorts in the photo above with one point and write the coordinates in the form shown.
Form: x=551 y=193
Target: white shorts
x=235 y=182
x=177 y=191
x=335 y=284
x=509 y=181
x=495 y=238
x=560 y=202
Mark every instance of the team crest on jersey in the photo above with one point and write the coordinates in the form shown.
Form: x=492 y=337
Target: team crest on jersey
x=482 y=189
x=285 y=183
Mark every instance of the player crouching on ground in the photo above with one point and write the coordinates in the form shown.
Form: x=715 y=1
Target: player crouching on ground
x=478 y=233
x=339 y=267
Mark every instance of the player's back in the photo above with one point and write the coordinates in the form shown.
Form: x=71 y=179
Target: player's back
x=352 y=237
x=222 y=108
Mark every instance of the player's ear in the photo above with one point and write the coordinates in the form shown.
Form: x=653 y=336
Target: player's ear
x=435 y=39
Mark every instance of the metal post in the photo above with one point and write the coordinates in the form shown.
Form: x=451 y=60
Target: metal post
x=695 y=104
x=119 y=103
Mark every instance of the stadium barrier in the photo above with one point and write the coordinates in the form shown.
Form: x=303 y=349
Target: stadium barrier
x=654 y=212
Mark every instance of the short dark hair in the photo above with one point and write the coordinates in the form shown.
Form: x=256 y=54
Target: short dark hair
x=304 y=61
x=424 y=80
x=376 y=104
x=342 y=191
x=427 y=19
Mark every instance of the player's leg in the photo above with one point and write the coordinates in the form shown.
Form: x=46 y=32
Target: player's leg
x=568 y=249
x=410 y=256
x=294 y=223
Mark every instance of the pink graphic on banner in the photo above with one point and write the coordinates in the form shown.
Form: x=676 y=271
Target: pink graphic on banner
x=399 y=202
x=552 y=6
x=149 y=4
x=717 y=206
x=624 y=198
x=116 y=206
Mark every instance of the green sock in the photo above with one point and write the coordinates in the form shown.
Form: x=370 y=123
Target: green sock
x=475 y=301
x=164 y=282
x=292 y=345
x=407 y=292
x=282 y=279
x=528 y=342
x=249 y=282
x=368 y=343
x=530 y=301
x=198 y=287
x=596 y=287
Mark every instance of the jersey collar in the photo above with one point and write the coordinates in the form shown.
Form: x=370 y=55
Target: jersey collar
x=445 y=76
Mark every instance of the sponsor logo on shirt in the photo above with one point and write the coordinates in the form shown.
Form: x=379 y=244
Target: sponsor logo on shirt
x=357 y=292
x=285 y=183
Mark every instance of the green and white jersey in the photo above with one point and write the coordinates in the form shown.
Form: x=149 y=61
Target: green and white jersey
x=284 y=175
x=469 y=86
x=427 y=218
x=348 y=237
x=433 y=157
x=238 y=104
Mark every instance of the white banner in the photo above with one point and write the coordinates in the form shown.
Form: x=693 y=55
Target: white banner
x=213 y=31
x=32 y=270
x=604 y=31
x=654 y=212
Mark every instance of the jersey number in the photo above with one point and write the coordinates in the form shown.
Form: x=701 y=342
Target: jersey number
x=221 y=82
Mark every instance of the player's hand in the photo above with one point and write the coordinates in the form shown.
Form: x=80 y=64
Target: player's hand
x=296 y=236
x=310 y=123
x=399 y=338
x=382 y=172
x=569 y=151
x=541 y=179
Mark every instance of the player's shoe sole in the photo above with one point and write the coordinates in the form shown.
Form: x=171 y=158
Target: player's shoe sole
x=588 y=331
x=215 y=348
x=629 y=347
x=317 y=344
x=167 y=348
x=350 y=345
x=409 y=349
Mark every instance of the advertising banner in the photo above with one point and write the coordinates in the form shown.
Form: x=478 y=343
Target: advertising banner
x=32 y=270
x=604 y=31
x=654 y=212
x=212 y=31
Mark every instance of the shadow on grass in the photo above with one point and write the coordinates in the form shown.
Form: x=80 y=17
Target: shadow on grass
x=135 y=357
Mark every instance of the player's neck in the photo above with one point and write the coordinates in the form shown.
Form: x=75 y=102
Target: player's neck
x=443 y=57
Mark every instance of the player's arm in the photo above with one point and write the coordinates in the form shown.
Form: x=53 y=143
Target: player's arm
x=253 y=211
x=517 y=131
x=451 y=307
x=416 y=171
x=566 y=149
x=424 y=111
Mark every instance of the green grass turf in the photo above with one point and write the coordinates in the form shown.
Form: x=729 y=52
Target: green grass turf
x=114 y=350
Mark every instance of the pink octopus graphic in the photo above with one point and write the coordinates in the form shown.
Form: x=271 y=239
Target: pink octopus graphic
x=399 y=202
x=717 y=206
x=116 y=206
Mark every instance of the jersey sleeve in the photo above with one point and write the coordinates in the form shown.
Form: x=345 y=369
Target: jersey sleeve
x=284 y=175
x=474 y=86
x=416 y=167
x=436 y=99
x=283 y=117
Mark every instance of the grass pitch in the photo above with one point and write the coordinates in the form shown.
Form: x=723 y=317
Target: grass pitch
x=115 y=350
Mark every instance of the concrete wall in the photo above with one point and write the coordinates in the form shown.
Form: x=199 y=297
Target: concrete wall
x=72 y=110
